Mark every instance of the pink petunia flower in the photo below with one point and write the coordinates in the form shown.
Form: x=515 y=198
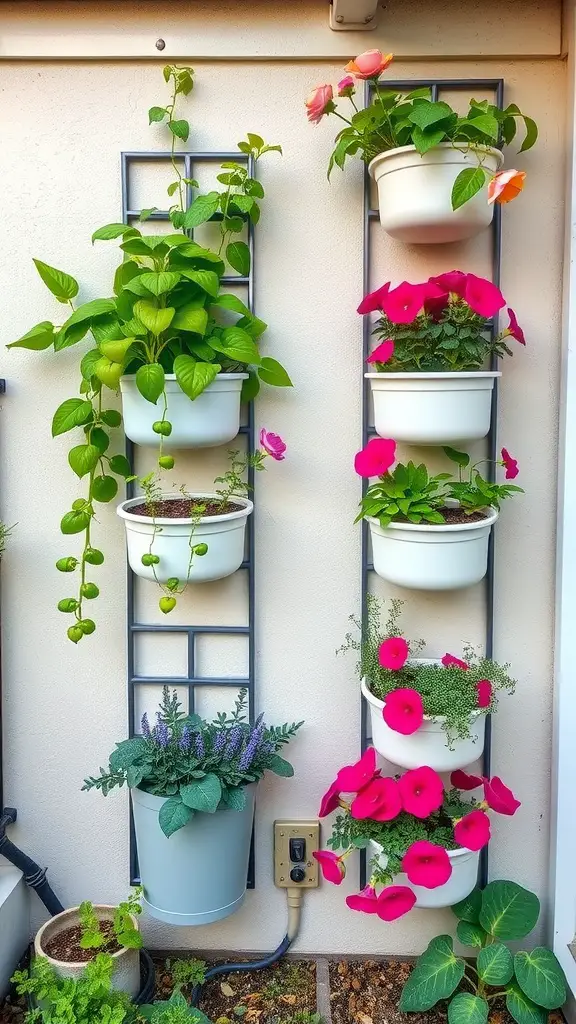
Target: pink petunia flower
x=403 y=711
x=379 y=800
x=461 y=780
x=422 y=791
x=370 y=64
x=454 y=281
x=426 y=864
x=319 y=102
x=394 y=902
x=510 y=464
x=354 y=777
x=366 y=901
x=506 y=185
x=514 y=328
x=376 y=458
x=332 y=866
x=484 y=691
x=436 y=300
x=273 y=444
x=472 y=832
x=449 y=661
x=382 y=353
x=393 y=653
x=403 y=303
x=346 y=86
x=499 y=798
x=330 y=801
x=374 y=300
x=482 y=296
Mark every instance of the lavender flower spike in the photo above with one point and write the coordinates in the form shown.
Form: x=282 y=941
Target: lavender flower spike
x=199 y=746
x=185 y=741
x=161 y=735
x=220 y=741
x=234 y=740
x=251 y=748
x=145 y=726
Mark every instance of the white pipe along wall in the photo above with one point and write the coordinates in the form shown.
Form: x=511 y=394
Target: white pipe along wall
x=65 y=123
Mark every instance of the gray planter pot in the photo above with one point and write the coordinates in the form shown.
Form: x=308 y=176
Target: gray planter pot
x=198 y=875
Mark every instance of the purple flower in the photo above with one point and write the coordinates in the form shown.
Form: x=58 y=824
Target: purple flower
x=220 y=741
x=234 y=740
x=185 y=740
x=145 y=726
x=251 y=748
x=199 y=746
x=161 y=735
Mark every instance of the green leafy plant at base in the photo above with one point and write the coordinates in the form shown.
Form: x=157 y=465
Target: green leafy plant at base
x=187 y=972
x=532 y=982
x=447 y=691
x=122 y=932
x=196 y=765
x=88 y=1000
x=167 y=314
x=175 y=1010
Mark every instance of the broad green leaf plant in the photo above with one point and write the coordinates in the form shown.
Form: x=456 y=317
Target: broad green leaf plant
x=168 y=314
x=123 y=932
x=531 y=982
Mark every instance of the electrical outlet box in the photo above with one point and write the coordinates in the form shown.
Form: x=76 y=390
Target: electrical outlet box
x=294 y=865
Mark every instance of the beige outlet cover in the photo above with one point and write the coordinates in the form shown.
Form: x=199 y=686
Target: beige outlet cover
x=284 y=831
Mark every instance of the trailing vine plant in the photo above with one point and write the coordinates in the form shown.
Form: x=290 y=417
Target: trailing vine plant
x=167 y=315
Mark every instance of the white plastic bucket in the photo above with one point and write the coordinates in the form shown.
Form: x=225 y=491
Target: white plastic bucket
x=460 y=884
x=126 y=962
x=211 y=419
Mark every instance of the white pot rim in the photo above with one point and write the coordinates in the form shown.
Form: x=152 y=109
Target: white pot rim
x=377 y=703
x=461 y=147
x=437 y=527
x=123 y=510
x=452 y=854
x=436 y=375
x=70 y=913
x=172 y=376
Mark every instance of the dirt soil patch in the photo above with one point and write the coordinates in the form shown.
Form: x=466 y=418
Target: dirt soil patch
x=184 y=508
x=65 y=945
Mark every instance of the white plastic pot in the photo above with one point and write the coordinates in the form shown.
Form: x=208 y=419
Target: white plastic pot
x=421 y=556
x=126 y=969
x=170 y=539
x=460 y=884
x=211 y=419
x=415 y=192
x=429 y=744
x=432 y=408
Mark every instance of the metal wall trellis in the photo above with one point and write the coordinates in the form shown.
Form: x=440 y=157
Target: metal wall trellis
x=191 y=681
x=371 y=215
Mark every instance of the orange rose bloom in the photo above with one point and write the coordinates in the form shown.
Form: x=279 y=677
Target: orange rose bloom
x=506 y=186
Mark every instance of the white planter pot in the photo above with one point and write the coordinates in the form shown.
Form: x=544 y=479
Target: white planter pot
x=224 y=536
x=126 y=971
x=432 y=408
x=211 y=419
x=421 y=556
x=414 y=192
x=460 y=884
x=429 y=744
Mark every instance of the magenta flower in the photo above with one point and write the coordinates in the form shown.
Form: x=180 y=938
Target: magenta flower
x=510 y=464
x=393 y=653
x=514 y=328
x=354 y=777
x=422 y=791
x=472 y=832
x=330 y=801
x=484 y=691
x=394 y=902
x=379 y=800
x=403 y=711
x=403 y=303
x=436 y=300
x=461 y=780
x=272 y=444
x=499 y=798
x=374 y=300
x=426 y=864
x=449 y=661
x=332 y=866
x=454 y=282
x=346 y=86
x=382 y=353
x=376 y=458
x=366 y=901
x=319 y=102
x=482 y=296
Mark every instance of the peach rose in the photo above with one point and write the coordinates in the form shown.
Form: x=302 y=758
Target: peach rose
x=505 y=186
x=318 y=101
x=370 y=64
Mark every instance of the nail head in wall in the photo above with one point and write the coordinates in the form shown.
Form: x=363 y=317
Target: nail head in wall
x=160 y=44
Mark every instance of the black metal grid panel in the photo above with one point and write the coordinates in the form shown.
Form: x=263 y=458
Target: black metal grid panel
x=496 y=86
x=192 y=680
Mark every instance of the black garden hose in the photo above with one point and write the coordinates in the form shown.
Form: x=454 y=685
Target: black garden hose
x=34 y=875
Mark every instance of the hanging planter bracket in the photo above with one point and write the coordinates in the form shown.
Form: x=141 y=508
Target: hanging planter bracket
x=353 y=15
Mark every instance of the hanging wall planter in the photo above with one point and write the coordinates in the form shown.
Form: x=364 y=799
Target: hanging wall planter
x=462 y=881
x=198 y=875
x=170 y=537
x=58 y=936
x=415 y=192
x=213 y=418
x=432 y=408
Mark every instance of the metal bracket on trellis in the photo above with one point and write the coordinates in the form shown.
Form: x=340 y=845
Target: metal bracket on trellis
x=191 y=680
x=496 y=86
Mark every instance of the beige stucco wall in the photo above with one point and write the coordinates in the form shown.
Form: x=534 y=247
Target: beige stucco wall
x=64 y=125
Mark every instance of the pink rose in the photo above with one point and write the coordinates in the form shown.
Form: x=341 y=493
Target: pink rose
x=346 y=86
x=318 y=103
x=370 y=64
x=272 y=444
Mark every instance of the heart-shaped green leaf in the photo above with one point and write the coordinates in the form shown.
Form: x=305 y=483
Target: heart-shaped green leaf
x=104 y=488
x=116 y=350
x=468 y=183
x=541 y=977
x=238 y=256
x=508 y=911
x=191 y=318
x=202 y=794
x=194 y=377
x=37 y=338
x=108 y=372
x=468 y=933
x=465 y=1008
x=174 y=814
x=154 y=318
x=468 y=909
x=495 y=964
x=207 y=280
x=150 y=381
x=236 y=344
x=272 y=372
x=437 y=974
x=72 y=413
x=201 y=210
x=522 y=1009
x=63 y=286
x=110 y=231
x=83 y=458
x=159 y=284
